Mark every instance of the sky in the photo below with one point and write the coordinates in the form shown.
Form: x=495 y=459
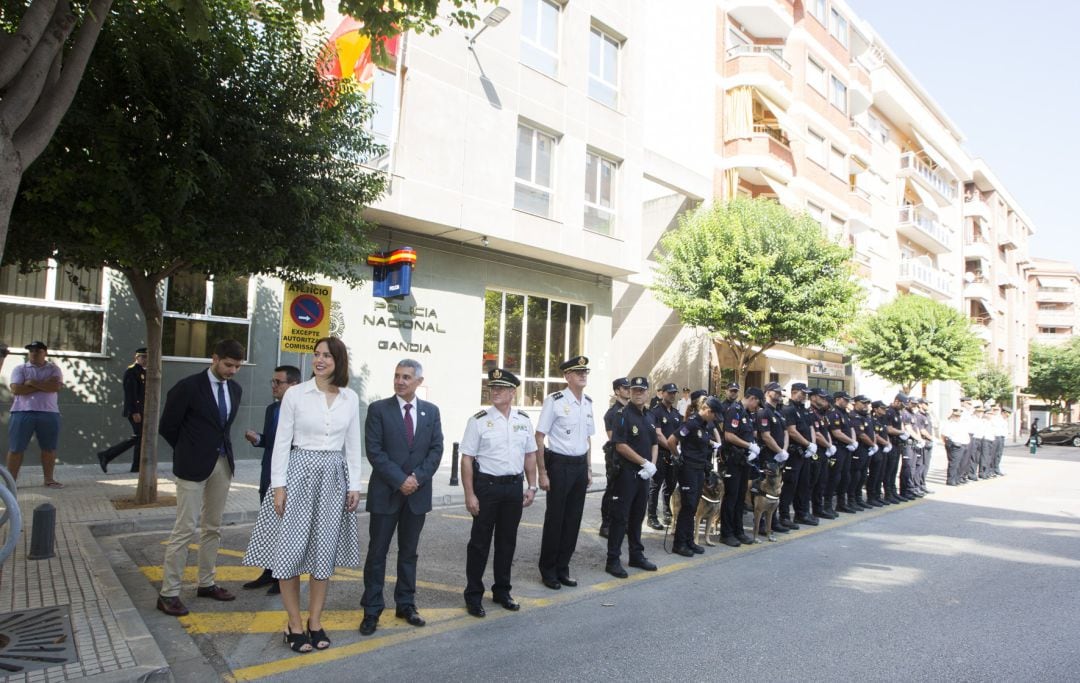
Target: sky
x=1006 y=73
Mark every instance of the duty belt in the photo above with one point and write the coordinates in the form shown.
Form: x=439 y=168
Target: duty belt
x=505 y=479
x=559 y=456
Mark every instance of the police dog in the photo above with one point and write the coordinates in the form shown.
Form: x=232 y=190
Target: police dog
x=765 y=501
x=708 y=507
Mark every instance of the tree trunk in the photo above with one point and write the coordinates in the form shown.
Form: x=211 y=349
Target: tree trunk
x=145 y=291
x=10 y=178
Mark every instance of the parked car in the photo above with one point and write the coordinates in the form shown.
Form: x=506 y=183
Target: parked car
x=1060 y=434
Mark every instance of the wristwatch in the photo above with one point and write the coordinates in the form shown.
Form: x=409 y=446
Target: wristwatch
x=534 y=489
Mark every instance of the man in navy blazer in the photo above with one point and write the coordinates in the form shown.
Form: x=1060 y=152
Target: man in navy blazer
x=196 y=420
x=404 y=443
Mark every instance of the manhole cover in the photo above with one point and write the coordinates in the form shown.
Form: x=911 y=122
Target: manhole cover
x=34 y=639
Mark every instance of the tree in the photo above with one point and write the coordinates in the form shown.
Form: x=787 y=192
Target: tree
x=990 y=382
x=755 y=274
x=1054 y=374
x=915 y=339
x=45 y=46
x=181 y=156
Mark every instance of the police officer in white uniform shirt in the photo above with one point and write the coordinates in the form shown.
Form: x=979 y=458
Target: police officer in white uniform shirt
x=565 y=470
x=498 y=453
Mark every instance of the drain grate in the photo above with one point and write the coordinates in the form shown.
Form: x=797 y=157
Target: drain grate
x=34 y=639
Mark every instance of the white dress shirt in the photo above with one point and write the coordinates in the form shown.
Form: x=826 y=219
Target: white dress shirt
x=305 y=421
x=499 y=443
x=956 y=431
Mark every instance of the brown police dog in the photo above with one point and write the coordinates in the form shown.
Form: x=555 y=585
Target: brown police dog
x=765 y=502
x=708 y=507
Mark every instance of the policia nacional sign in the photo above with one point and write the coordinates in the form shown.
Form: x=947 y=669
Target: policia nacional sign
x=393 y=316
x=305 y=316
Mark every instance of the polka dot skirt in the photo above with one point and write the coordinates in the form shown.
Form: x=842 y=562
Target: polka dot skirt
x=315 y=534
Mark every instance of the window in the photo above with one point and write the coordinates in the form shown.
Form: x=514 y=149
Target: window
x=818 y=9
x=530 y=336
x=57 y=304
x=836 y=227
x=839 y=27
x=201 y=310
x=532 y=191
x=815 y=75
x=837 y=163
x=816 y=212
x=599 y=193
x=603 y=68
x=838 y=94
x=815 y=147
x=877 y=128
x=540 y=35
x=383 y=95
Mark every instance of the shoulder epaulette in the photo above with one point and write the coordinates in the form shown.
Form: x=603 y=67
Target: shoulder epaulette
x=557 y=395
x=523 y=413
x=587 y=398
x=480 y=414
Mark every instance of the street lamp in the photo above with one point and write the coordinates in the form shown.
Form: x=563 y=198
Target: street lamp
x=494 y=18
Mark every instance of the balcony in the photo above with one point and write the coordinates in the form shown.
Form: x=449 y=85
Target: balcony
x=767 y=148
x=920 y=226
x=978 y=287
x=978 y=247
x=981 y=327
x=1055 y=318
x=1054 y=294
x=911 y=166
x=763 y=18
x=860 y=217
x=860 y=92
x=914 y=273
x=974 y=206
x=860 y=137
x=762 y=67
x=1007 y=239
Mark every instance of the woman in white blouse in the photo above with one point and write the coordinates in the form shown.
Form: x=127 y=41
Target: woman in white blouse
x=308 y=525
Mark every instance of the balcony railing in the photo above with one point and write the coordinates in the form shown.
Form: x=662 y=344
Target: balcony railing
x=775 y=52
x=925 y=276
x=910 y=161
x=914 y=216
x=774 y=132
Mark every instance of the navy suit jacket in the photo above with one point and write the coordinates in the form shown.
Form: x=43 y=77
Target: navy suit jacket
x=393 y=459
x=191 y=425
x=266 y=442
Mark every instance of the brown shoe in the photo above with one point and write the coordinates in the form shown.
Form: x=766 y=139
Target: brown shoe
x=215 y=592
x=171 y=606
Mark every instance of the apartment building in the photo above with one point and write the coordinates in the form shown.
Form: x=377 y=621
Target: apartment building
x=1055 y=291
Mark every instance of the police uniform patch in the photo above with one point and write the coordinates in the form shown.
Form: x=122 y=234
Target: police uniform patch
x=634 y=430
x=663 y=420
x=735 y=423
x=764 y=421
x=699 y=433
x=523 y=413
x=774 y=419
x=557 y=395
x=490 y=424
x=480 y=414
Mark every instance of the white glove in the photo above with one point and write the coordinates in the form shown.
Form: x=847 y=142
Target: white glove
x=811 y=449
x=919 y=444
x=644 y=474
x=782 y=456
x=753 y=455
x=904 y=436
x=650 y=468
x=873 y=449
x=830 y=451
x=887 y=449
x=852 y=447
x=715 y=446
x=754 y=448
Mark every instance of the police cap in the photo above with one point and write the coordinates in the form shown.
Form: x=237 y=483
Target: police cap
x=620 y=383
x=575 y=363
x=757 y=393
x=502 y=378
x=715 y=405
x=639 y=382
x=669 y=388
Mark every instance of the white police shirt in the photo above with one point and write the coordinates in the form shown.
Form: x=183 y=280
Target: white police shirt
x=956 y=431
x=567 y=422
x=499 y=443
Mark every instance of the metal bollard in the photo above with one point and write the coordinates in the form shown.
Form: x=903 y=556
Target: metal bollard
x=43 y=537
x=454 y=465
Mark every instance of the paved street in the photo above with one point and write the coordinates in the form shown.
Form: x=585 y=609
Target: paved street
x=972 y=583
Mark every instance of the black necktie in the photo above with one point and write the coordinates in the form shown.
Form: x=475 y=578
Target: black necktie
x=408 y=423
x=222 y=408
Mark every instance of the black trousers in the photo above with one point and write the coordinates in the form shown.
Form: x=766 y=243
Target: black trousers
x=999 y=450
x=977 y=447
x=808 y=476
x=736 y=480
x=955 y=454
x=892 y=468
x=691 y=481
x=924 y=463
x=605 y=503
x=113 y=452
x=628 y=512
x=500 y=513
x=908 y=466
x=381 y=528
x=666 y=479
x=838 y=473
x=876 y=474
x=987 y=458
x=966 y=458
x=568 y=479
x=817 y=494
x=792 y=471
x=860 y=465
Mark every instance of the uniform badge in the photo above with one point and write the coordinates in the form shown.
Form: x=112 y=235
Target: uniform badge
x=699 y=433
x=735 y=423
x=490 y=424
x=496 y=374
x=663 y=420
x=634 y=430
x=774 y=419
x=566 y=410
x=764 y=422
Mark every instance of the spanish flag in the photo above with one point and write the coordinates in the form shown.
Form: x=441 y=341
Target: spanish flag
x=348 y=54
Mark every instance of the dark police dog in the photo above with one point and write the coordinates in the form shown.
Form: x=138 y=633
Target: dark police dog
x=765 y=501
x=708 y=507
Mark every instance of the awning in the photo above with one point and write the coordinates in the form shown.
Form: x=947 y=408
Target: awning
x=780 y=354
x=928 y=200
x=783 y=194
x=781 y=116
x=932 y=152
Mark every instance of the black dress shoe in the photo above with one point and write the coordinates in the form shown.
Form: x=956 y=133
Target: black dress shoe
x=410 y=615
x=265 y=579
x=171 y=606
x=476 y=611
x=214 y=592
x=102 y=463
x=744 y=539
x=604 y=532
x=507 y=602
x=553 y=584
x=616 y=569
x=809 y=521
x=567 y=581
x=369 y=623
x=654 y=523
x=682 y=550
x=643 y=563
x=698 y=550
x=780 y=529
x=730 y=541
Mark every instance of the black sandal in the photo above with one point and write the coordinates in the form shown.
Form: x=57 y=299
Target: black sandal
x=318 y=638
x=296 y=641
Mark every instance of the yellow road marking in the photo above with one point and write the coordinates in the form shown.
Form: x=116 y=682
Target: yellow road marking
x=221 y=551
x=530 y=525
x=233 y=572
x=274 y=621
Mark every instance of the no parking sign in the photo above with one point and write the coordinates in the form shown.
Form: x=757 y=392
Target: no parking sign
x=305 y=316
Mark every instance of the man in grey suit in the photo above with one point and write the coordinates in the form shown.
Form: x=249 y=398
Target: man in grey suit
x=404 y=443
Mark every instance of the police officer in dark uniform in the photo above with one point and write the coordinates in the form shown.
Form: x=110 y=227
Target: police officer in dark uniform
x=667 y=420
x=498 y=453
x=731 y=397
x=909 y=457
x=876 y=475
x=924 y=422
x=801 y=446
x=739 y=449
x=772 y=434
x=694 y=443
x=635 y=440
x=863 y=422
x=895 y=427
x=565 y=470
x=822 y=464
x=134 y=399
x=621 y=389
x=843 y=435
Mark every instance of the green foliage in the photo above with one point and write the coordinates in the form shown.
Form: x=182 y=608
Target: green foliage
x=989 y=382
x=755 y=274
x=915 y=339
x=227 y=157
x=1054 y=373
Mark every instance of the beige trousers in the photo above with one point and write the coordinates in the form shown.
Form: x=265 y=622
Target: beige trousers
x=192 y=498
